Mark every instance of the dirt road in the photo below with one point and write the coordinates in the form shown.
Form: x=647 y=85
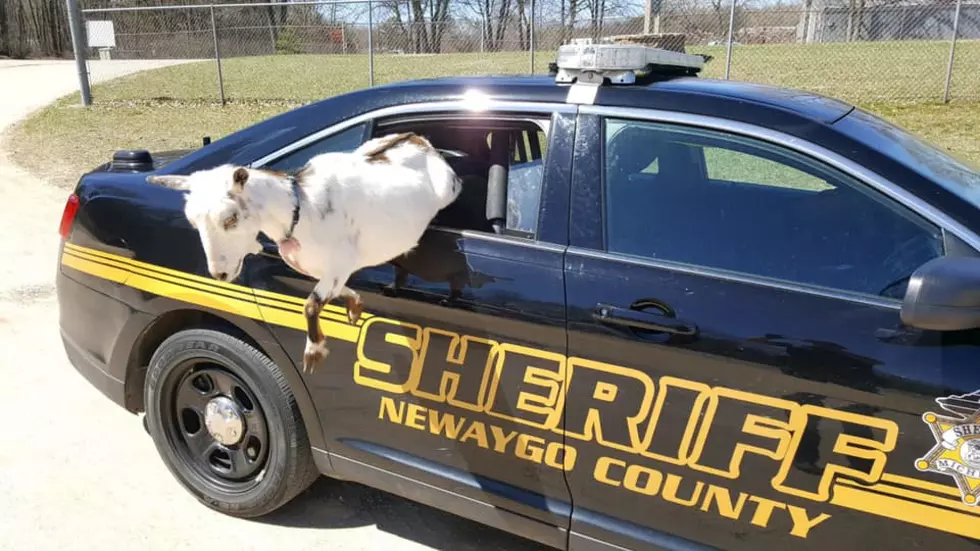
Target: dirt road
x=79 y=473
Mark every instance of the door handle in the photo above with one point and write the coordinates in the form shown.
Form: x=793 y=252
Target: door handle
x=642 y=319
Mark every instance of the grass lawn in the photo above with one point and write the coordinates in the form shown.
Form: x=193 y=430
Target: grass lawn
x=174 y=107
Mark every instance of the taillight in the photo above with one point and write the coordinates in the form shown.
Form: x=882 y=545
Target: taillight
x=68 y=216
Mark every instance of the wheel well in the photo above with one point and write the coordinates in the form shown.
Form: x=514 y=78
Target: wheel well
x=158 y=331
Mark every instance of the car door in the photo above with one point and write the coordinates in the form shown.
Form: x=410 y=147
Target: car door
x=450 y=377
x=738 y=373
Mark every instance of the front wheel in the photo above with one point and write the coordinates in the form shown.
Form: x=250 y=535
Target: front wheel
x=226 y=424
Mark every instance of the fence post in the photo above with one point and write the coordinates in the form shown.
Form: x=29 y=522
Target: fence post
x=77 y=27
x=952 y=52
x=370 y=44
x=731 y=30
x=217 y=57
x=651 y=7
x=531 y=37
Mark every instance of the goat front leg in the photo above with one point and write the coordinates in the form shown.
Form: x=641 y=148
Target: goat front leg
x=316 y=343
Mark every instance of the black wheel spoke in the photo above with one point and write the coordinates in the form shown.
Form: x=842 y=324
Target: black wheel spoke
x=201 y=445
x=224 y=383
x=241 y=464
x=194 y=393
x=254 y=425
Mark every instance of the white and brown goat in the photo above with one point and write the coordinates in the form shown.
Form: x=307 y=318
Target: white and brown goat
x=339 y=213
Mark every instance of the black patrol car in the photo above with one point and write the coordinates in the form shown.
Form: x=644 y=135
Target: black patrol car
x=713 y=314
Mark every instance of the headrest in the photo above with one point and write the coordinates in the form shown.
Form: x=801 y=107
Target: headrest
x=632 y=149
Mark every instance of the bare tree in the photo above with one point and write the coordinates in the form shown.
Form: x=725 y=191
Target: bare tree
x=277 y=18
x=4 y=30
x=495 y=16
x=597 y=12
x=855 y=13
x=34 y=28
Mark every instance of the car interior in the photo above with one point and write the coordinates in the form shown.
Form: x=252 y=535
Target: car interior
x=500 y=162
x=836 y=236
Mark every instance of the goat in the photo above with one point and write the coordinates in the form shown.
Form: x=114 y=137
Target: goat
x=339 y=213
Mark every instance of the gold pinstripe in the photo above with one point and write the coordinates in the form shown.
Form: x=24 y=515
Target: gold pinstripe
x=274 y=308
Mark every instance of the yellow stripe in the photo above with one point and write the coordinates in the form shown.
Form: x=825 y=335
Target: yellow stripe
x=923 y=484
x=277 y=296
x=295 y=320
x=324 y=315
x=288 y=302
x=906 y=511
x=137 y=280
x=99 y=270
x=160 y=269
x=912 y=494
x=151 y=273
x=77 y=248
x=330 y=312
x=210 y=283
x=194 y=296
x=201 y=291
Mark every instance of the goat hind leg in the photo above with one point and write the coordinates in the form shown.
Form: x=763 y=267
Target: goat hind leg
x=353 y=302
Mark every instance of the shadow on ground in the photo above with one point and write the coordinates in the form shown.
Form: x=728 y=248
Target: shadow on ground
x=332 y=504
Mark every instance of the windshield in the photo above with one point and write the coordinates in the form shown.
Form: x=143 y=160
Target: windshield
x=954 y=174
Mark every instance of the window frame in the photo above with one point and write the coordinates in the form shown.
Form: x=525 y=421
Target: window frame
x=957 y=239
x=365 y=132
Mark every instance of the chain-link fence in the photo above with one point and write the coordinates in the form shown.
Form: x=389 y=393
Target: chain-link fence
x=299 y=51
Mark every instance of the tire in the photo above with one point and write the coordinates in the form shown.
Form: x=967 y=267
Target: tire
x=272 y=461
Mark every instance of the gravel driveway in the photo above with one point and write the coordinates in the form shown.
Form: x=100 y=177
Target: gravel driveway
x=77 y=472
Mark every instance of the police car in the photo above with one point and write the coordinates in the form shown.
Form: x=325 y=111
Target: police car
x=699 y=314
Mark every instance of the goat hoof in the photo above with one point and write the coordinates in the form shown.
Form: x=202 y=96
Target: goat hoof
x=354 y=309
x=389 y=291
x=314 y=355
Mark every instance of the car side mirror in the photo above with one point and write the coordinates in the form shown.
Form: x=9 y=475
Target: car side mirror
x=944 y=295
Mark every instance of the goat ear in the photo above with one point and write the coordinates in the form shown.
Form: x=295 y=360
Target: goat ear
x=238 y=179
x=172 y=181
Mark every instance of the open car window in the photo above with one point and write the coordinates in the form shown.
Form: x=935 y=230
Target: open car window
x=506 y=151
x=524 y=178
x=473 y=147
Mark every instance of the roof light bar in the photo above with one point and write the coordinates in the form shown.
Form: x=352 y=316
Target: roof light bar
x=583 y=61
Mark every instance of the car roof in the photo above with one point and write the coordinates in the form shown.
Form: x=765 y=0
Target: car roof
x=789 y=110
x=542 y=87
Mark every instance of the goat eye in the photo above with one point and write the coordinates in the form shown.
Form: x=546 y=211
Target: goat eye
x=231 y=221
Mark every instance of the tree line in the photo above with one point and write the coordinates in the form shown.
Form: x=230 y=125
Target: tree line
x=34 y=28
x=39 y=28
